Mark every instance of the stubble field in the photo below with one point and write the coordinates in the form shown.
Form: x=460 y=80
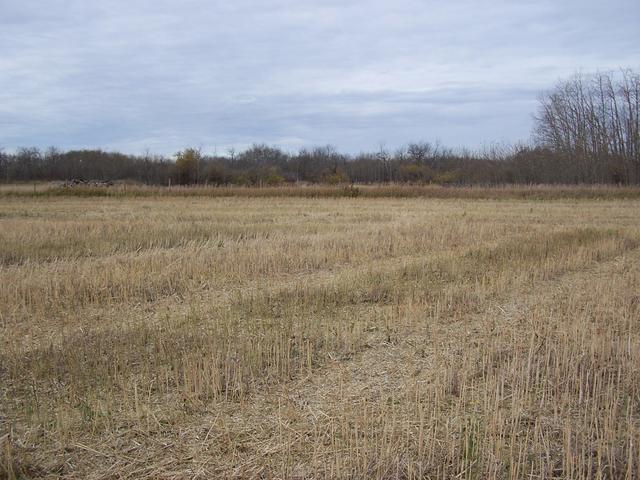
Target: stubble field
x=168 y=337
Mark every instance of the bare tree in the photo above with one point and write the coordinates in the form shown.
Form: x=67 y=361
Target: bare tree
x=591 y=122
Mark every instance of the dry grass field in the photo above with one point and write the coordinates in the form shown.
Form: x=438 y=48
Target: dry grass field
x=282 y=337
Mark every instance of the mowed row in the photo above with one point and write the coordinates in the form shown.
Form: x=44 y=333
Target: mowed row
x=319 y=338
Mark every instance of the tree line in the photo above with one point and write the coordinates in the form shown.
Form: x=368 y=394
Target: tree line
x=586 y=130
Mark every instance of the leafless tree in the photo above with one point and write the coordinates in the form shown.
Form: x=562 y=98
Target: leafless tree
x=592 y=123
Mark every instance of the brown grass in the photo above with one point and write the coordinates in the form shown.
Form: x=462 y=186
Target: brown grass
x=169 y=337
x=507 y=192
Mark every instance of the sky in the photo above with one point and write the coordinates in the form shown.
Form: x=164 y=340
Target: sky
x=162 y=75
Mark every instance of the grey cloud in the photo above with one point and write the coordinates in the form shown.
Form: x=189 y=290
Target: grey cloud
x=165 y=74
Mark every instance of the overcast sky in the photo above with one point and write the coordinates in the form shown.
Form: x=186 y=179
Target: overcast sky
x=161 y=75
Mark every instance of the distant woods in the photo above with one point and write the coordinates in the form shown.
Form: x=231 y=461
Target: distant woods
x=586 y=130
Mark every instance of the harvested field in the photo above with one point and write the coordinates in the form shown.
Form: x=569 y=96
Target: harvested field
x=205 y=336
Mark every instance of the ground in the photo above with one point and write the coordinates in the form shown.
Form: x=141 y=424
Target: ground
x=169 y=337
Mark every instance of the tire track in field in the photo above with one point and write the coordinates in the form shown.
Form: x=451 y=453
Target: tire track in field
x=281 y=422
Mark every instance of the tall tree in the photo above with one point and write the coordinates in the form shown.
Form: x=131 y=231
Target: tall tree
x=593 y=123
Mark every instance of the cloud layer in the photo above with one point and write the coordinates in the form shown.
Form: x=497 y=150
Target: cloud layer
x=161 y=75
